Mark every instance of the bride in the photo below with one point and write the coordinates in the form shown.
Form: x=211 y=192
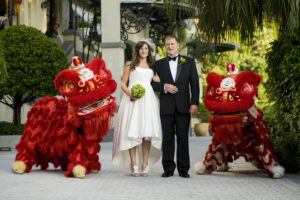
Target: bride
x=137 y=132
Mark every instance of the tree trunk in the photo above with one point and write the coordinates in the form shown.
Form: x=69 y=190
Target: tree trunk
x=17 y=104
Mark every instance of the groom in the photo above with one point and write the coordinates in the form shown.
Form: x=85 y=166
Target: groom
x=178 y=74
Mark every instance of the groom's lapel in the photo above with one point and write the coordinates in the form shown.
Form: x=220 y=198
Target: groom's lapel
x=179 y=66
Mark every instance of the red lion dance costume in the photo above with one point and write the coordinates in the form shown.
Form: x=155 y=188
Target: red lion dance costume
x=237 y=125
x=67 y=131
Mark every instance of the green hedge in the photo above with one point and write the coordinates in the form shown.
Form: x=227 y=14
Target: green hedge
x=287 y=151
x=283 y=89
x=11 y=129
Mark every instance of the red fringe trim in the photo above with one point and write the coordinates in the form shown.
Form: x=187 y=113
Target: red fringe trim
x=228 y=107
x=93 y=96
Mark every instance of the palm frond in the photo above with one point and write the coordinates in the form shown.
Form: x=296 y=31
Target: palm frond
x=219 y=18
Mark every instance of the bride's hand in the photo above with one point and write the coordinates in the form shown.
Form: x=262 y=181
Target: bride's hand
x=156 y=78
x=132 y=98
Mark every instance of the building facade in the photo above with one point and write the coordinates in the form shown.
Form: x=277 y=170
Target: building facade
x=123 y=24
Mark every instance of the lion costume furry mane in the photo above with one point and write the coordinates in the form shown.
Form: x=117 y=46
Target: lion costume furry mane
x=67 y=132
x=237 y=126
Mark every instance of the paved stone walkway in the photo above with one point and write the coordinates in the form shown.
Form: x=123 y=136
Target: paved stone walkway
x=242 y=182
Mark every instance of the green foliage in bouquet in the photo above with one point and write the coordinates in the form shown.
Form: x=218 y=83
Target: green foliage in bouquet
x=32 y=62
x=137 y=91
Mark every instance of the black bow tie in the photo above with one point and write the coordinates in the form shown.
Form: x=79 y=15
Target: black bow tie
x=174 y=58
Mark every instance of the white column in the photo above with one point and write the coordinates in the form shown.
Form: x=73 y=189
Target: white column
x=34 y=17
x=43 y=17
x=112 y=46
x=25 y=3
x=64 y=23
x=21 y=13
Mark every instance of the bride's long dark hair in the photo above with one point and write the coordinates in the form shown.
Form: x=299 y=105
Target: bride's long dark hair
x=136 y=58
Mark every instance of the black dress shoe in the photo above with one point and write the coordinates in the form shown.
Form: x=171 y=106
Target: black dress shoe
x=184 y=175
x=166 y=175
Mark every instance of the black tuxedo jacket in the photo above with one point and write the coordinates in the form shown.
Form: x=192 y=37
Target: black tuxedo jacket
x=186 y=76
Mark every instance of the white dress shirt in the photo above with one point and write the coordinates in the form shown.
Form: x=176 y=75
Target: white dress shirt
x=173 y=67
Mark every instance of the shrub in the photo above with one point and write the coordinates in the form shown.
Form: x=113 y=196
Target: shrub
x=283 y=88
x=11 y=129
x=287 y=150
x=32 y=62
x=3 y=71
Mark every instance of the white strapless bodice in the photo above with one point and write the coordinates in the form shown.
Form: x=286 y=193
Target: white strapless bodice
x=141 y=76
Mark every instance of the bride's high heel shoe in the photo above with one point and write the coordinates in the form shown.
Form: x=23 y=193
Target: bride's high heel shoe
x=145 y=171
x=135 y=170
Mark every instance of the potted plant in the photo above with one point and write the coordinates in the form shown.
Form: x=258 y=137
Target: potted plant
x=201 y=128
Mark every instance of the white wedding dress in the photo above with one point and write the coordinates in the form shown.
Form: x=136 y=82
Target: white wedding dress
x=137 y=120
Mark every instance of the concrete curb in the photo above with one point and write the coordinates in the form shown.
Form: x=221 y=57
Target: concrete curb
x=9 y=141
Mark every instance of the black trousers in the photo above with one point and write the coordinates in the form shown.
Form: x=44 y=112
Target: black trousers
x=175 y=124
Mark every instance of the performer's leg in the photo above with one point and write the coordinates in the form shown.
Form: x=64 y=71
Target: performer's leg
x=267 y=159
x=92 y=161
x=77 y=166
x=216 y=155
x=182 y=134
x=26 y=157
x=64 y=161
x=24 y=161
x=168 y=143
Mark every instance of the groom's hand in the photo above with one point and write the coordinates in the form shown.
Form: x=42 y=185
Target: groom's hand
x=171 y=88
x=193 y=109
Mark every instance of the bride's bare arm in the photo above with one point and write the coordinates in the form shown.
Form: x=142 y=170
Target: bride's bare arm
x=125 y=77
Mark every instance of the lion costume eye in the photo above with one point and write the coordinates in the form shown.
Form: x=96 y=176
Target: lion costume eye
x=69 y=86
x=247 y=88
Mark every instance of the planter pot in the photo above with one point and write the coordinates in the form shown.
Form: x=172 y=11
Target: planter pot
x=201 y=129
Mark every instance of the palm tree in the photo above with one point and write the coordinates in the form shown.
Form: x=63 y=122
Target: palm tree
x=219 y=18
